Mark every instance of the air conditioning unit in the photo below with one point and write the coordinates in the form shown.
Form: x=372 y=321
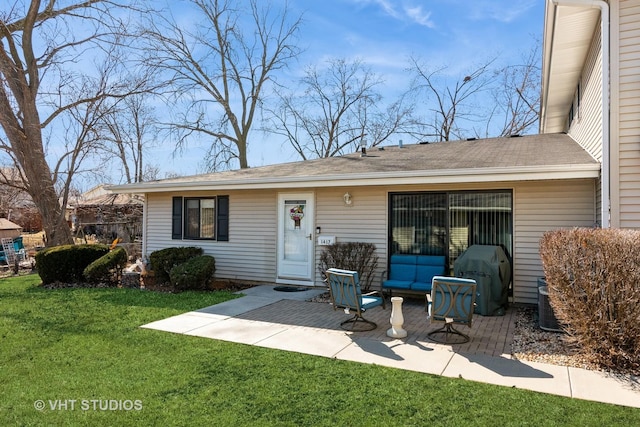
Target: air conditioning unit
x=546 y=319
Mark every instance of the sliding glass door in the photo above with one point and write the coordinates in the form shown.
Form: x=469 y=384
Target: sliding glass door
x=447 y=223
x=418 y=223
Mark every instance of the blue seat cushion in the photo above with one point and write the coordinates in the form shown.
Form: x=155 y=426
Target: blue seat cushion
x=462 y=308
x=345 y=287
x=397 y=284
x=368 y=302
x=429 y=266
x=421 y=286
x=403 y=267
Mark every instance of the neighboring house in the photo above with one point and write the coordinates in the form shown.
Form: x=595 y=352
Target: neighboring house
x=591 y=90
x=15 y=204
x=9 y=229
x=106 y=216
x=262 y=224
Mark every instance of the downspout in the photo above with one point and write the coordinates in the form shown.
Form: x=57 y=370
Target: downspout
x=545 y=84
x=606 y=98
x=145 y=220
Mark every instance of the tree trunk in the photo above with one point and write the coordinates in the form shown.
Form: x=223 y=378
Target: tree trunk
x=55 y=226
x=27 y=144
x=45 y=38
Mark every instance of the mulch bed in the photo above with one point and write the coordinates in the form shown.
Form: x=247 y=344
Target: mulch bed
x=216 y=285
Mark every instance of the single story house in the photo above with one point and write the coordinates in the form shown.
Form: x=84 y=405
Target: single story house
x=16 y=204
x=271 y=223
x=8 y=229
x=106 y=215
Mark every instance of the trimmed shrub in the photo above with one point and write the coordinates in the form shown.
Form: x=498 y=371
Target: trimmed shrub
x=356 y=256
x=195 y=273
x=66 y=263
x=593 y=277
x=164 y=260
x=107 y=268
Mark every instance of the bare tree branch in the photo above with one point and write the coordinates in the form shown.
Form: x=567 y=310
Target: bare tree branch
x=455 y=105
x=517 y=97
x=336 y=111
x=130 y=128
x=220 y=71
x=43 y=69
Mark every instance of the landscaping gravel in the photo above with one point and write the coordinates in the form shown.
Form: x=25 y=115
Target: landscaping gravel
x=536 y=345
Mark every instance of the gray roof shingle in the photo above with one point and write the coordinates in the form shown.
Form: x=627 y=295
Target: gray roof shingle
x=545 y=150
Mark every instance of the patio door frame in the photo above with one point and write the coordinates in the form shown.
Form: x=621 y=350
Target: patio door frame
x=447 y=236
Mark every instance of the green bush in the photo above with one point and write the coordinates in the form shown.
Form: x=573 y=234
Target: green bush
x=356 y=256
x=164 y=260
x=593 y=277
x=107 y=268
x=66 y=263
x=195 y=273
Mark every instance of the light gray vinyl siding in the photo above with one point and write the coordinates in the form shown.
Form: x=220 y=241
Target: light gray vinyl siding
x=538 y=207
x=629 y=114
x=364 y=221
x=586 y=127
x=158 y=226
x=250 y=253
x=541 y=207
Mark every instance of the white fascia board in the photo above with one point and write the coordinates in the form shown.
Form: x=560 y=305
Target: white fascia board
x=448 y=176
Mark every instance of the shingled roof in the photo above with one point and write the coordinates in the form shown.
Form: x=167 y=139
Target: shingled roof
x=546 y=156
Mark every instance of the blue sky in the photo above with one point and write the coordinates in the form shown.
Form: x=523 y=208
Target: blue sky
x=458 y=34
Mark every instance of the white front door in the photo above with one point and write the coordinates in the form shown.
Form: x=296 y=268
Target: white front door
x=296 y=238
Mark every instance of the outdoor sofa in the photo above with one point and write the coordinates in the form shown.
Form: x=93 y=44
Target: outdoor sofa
x=412 y=273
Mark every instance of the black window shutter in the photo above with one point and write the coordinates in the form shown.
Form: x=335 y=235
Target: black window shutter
x=223 y=219
x=176 y=218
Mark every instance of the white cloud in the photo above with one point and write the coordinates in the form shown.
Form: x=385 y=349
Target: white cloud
x=409 y=12
x=387 y=6
x=501 y=11
x=417 y=15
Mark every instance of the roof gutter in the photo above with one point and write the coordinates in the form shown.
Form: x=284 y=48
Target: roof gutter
x=445 y=176
x=606 y=134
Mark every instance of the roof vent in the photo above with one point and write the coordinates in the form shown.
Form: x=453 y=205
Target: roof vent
x=473 y=138
x=515 y=135
x=400 y=144
x=363 y=148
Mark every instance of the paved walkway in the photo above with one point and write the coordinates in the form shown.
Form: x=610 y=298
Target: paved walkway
x=287 y=321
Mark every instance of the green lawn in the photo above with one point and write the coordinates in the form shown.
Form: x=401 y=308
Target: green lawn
x=85 y=345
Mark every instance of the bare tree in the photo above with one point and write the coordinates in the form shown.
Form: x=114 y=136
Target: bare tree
x=80 y=127
x=11 y=191
x=43 y=50
x=130 y=130
x=517 y=94
x=455 y=106
x=219 y=70
x=336 y=111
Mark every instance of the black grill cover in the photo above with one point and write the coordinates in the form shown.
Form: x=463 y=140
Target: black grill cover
x=489 y=266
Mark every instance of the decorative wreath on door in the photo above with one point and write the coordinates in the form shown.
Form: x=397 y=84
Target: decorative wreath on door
x=296 y=213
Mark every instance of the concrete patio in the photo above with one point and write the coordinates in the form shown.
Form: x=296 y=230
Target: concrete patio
x=288 y=321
